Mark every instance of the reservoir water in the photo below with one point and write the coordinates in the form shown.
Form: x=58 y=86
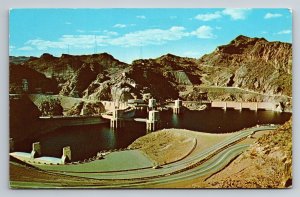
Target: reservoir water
x=86 y=141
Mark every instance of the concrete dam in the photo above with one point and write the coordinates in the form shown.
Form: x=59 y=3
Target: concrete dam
x=54 y=122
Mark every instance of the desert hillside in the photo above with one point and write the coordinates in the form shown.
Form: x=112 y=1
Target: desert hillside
x=252 y=63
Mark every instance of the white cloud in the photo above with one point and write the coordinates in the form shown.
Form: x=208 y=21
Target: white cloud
x=105 y=32
x=153 y=36
x=68 y=23
x=97 y=31
x=203 y=32
x=41 y=44
x=120 y=25
x=236 y=13
x=272 y=15
x=110 y=33
x=74 y=41
x=150 y=37
x=80 y=31
x=141 y=17
x=218 y=27
x=208 y=16
x=177 y=28
x=287 y=31
x=192 y=54
x=11 y=48
x=25 y=48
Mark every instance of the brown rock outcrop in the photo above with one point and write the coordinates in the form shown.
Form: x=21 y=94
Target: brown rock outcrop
x=254 y=64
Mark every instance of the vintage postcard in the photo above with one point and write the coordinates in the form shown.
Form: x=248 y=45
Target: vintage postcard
x=150 y=98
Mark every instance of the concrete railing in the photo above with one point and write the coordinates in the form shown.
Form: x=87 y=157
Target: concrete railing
x=244 y=105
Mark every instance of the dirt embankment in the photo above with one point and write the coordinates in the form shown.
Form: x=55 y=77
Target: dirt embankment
x=266 y=164
x=170 y=145
x=164 y=146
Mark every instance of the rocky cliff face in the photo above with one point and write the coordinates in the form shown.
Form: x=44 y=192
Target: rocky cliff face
x=66 y=65
x=86 y=108
x=159 y=77
x=253 y=63
x=81 y=79
x=35 y=80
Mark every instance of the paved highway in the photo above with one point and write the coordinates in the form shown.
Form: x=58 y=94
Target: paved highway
x=209 y=167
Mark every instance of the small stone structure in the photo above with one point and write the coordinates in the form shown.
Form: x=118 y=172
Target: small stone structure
x=177 y=106
x=24 y=85
x=116 y=120
x=66 y=157
x=152 y=103
x=11 y=145
x=152 y=122
x=36 y=150
x=137 y=103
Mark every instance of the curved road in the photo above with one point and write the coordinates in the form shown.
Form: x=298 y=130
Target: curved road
x=218 y=162
x=179 y=166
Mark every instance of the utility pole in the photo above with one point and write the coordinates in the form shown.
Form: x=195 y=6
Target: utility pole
x=95 y=48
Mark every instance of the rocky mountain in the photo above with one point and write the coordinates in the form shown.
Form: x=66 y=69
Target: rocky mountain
x=253 y=64
x=159 y=77
x=87 y=108
x=18 y=60
x=66 y=65
x=35 y=79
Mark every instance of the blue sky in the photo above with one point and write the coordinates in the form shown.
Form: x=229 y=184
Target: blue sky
x=130 y=34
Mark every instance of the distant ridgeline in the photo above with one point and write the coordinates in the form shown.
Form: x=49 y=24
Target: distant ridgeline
x=252 y=64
